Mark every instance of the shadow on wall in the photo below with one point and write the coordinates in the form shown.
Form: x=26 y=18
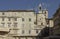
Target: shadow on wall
x=45 y=32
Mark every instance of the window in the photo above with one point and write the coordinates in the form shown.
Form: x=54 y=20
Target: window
x=45 y=15
x=3 y=24
x=15 y=19
x=2 y=19
x=29 y=19
x=35 y=22
x=3 y=13
x=41 y=23
x=9 y=24
x=45 y=12
x=22 y=19
x=22 y=31
x=40 y=18
x=36 y=31
x=15 y=24
x=29 y=31
x=8 y=19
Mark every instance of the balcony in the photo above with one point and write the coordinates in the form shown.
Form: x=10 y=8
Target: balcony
x=4 y=29
x=39 y=27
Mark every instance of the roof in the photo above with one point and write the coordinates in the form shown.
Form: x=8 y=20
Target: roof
x=17 y=11
x=57 y=12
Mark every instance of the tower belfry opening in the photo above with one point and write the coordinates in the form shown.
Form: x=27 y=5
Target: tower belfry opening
x=40 y=6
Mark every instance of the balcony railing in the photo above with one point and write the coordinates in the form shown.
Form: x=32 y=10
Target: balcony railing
x=39 y=27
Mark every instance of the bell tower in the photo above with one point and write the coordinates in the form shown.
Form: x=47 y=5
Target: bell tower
x=40 y=8
x=41 y=17
x=43 y=11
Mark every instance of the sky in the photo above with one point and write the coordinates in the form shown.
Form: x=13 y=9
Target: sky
x=51 y=5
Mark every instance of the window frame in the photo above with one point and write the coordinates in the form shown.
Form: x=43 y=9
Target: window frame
x=3 y=13
x=9 y=24
x=22 y=31
x=29 y=19
x=15 y=19
x=29 y=31
x=2 y=18
x=22 y=19
x=37 y=31
x=3 y=24
x=15 y=24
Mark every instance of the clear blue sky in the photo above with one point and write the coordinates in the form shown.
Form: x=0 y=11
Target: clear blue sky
x=51 y=5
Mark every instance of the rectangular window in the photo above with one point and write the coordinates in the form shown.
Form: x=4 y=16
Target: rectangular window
x=3 y=13
x=22 y=19
x=29 y=31
x=15 y=19
x=2 y=19
x=8 y=19
x=15 y=24
x=9 y=24
x=37 y=31
x=3 y=24
x=35 y=22
x=41 y=23
x=29 y=19
x=22 y=31
x=40 y=18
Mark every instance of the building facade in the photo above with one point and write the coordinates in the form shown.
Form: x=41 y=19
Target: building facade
x=56 y=18
x=50 y=25
x=22 y=24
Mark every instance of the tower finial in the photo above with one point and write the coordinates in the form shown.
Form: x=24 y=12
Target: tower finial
x=40 y=6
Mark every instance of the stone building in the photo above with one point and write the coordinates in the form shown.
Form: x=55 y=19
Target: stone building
x=22 y=24
x=56 y=18
x=50 y=25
